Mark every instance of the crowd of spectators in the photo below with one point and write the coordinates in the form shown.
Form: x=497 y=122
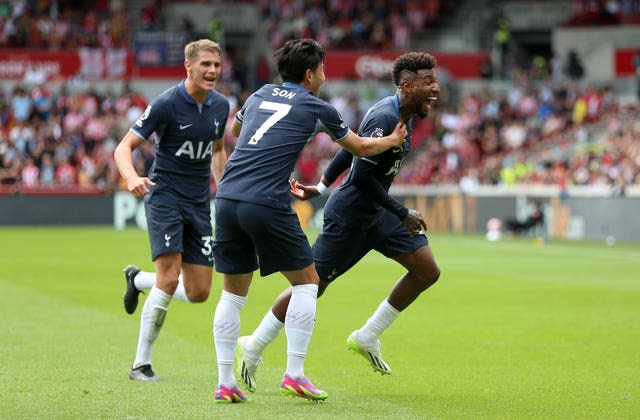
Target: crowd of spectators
x=604 y=12
x=544 y=129
x=64 y=24
x=563 y=135
x=352 y=24
x=540 y=132
x=536 y=132
x=63 y=139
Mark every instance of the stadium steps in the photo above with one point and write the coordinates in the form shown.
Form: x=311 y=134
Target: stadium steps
x=469 y=29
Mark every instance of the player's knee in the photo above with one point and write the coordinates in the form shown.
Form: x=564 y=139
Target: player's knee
x=433 y=276
x=167 y=283
x=198 y=295
x=428 y=278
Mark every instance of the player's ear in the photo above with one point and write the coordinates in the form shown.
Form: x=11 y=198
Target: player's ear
x=406 y=85
x=308 y=75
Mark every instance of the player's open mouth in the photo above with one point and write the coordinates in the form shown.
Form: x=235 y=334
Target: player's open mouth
x=431 y=100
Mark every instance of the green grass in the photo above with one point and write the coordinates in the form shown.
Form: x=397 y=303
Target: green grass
x=511 y=331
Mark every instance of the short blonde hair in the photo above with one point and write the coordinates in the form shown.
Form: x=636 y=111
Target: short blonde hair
x=192 y=49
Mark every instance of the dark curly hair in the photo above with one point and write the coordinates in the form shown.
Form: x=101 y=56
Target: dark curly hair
x=412 y=62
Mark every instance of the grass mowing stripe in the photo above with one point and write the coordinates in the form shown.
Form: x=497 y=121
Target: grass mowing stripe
x=67 y=360
x=510 y=331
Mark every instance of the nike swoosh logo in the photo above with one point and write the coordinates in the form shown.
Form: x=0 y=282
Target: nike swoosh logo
x=182 y=127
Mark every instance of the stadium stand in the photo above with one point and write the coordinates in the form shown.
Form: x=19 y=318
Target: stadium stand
x=545 y=123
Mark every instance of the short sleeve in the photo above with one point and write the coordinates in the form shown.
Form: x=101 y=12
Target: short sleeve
x=333 y=124
x=150 y=119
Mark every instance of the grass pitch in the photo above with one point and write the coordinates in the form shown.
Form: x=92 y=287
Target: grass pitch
x=511 y=331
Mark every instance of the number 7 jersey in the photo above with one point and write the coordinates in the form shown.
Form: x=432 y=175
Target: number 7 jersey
x=278 y=121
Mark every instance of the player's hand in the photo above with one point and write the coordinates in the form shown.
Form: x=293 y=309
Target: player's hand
x=399 y=133
x=137 y=186
x=302 y=192
x=414 y=222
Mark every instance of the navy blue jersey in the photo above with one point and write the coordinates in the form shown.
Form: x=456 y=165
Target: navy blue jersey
x=379 y=121
x=184 y=133
x=278 y=121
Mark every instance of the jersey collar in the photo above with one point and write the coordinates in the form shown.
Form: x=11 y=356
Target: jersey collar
x=292 y=85
x=183 y=91
x=396 y=107
x=396 y=103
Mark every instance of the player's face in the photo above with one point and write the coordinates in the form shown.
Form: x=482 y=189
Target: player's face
x=425 y=91
x=204 y=70
x=316 y=79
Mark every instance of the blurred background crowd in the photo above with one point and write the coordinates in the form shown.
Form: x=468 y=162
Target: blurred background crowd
x=549 y=125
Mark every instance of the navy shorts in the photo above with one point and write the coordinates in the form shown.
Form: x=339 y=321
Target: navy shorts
x=342 y=243
x=250 y=235
x=180 y=227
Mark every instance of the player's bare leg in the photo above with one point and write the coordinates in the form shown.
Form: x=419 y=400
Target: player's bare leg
x=422 y=273
x=137 y=281
x=196 y=280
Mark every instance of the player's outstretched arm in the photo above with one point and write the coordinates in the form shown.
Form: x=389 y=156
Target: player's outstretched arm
x=371 y=146
x=340 y=163
x=122 y=155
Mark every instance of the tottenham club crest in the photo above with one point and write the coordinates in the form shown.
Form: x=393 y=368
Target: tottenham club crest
x=342 y=123
x=378 y=132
